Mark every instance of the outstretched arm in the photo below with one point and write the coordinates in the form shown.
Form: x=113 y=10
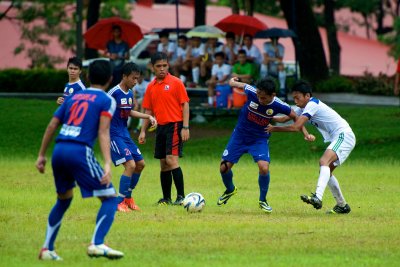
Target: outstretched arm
x=137 y=114
x=233 y=82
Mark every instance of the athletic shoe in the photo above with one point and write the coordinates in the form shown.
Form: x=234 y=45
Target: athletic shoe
x=226 y=196
x=339 y=210
x=265 y=206
x=312 y=200
x=103 y=251
x=49 y=255
x=164 y=202
x=122 y=207
x=130 y=203
x=179 y=200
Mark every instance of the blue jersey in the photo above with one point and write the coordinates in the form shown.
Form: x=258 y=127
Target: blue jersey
x=124 y=102
x=80 y=116
x=254 y=117
x=72 y=88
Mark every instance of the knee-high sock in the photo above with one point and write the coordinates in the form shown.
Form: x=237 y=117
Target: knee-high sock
x=196 y=74
x=124 y=184
x=336 y=192
x=178 y=180
x=324 y=176
x=134 y=180
x=54 y=222
x=263 y=182
x=166 y=183
x=104 y=220
x=227 y=178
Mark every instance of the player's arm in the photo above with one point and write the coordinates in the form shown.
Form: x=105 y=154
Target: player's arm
x=104 y=141
x=145 y=125
x=307 y=136
x=48 y=135
x=295 y=127
x=233 y=82
x=281 y=119
x=185 y=130
x=137 y=114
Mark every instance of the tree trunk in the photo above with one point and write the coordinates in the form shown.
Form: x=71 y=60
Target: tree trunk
x=93 y=14
x=235 y=7
x=380 y=14
x=249 y=7
x=309 y=49
x=331 y=33
x=199 y=12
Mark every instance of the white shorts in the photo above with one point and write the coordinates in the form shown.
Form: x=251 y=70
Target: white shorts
x=342 y=146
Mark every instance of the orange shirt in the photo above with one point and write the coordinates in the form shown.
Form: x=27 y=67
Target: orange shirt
x=165 y=99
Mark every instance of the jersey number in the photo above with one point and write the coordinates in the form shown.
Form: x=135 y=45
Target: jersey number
x=77 y=113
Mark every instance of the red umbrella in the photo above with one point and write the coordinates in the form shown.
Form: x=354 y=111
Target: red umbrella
x=241 y=24
x=99 y=34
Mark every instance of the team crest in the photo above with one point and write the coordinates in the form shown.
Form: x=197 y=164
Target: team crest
x=124 y=101
x=71 y=90
x=270 y=111
x=130 y=101
x=166 y=88
x=253 y=105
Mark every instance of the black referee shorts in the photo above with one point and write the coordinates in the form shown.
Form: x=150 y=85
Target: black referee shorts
x=168 y=140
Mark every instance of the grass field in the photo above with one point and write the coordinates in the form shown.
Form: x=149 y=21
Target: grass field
x=237 y=234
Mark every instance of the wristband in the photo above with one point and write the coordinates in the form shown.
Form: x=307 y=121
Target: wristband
x=185 y=127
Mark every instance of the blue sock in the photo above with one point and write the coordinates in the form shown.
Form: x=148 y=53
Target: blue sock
x=228 y=181
x=124 y=184
x=134 y=180
x=54 y=222
x=104 y=219
x=263 y=182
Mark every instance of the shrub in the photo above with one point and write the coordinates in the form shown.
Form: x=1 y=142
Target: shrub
x=335 y=84
x=370 y=85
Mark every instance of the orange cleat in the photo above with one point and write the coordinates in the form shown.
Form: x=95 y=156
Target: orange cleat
x=130 y=203
x=122 y=207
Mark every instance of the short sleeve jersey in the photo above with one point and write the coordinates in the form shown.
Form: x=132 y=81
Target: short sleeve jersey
x=328 y=122
x=80 y=116
x=72 y=88
x=165 y=99
x=254 y=117
x=124 y=105
x=221 y=71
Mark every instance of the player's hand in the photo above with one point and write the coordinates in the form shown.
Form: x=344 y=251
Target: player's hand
x=106 y=179
x=153 y=121
x=269 y=128
x=41 y=164
x=309 y=138
x=60 y=100
x=185 y=134
x=142 y=138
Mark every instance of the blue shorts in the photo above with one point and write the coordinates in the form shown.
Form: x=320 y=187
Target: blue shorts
x=76 y=162
x=239 y=145
x=124 y=149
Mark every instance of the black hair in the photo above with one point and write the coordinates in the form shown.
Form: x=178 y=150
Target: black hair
x=230 y=35
x=248 y=35
x=182 y=37
x=129 y=68
x=242 y=51
x=158 y=56
x=219 y=54
x=266 y=85
x=117 y=27
x=100 y=72
x=163 y=34
x=76 y=61
x=303 y=87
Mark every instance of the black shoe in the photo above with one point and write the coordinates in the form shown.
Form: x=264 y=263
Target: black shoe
x=164 y=202
x=226 y=196
x=312 y=200
x=179 y=200
x=340 y=210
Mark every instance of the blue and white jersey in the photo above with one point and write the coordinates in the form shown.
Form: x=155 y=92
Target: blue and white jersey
x=72 y=88
x=124 y=101
x=328 y=122
x=254 y=117
x=80 y=115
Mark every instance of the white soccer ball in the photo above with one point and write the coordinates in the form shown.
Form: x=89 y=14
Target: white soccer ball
x=194 y=202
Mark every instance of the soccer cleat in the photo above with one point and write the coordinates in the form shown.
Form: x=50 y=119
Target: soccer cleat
x=179 y=200
x=164 y=202
x=122 y=207
x=103 y=251
x=265 y=206
x=49 y=255
x=312 y=200
x=339 y=210
x=226 y=196
x=130 y=203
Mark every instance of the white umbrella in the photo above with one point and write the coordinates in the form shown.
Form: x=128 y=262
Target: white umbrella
x=205 y=31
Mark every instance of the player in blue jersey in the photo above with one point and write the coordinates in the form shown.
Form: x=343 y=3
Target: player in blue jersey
x=123 y=150
x=74 y=84
x=83 y=117
x=249 y=136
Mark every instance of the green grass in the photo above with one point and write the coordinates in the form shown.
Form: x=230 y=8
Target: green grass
x=237 y=234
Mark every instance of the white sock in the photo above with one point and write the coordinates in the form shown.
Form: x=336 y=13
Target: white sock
x=183 y=78
x=324 y=176
x=211 y=100
x=336 y=192
x=196 y=74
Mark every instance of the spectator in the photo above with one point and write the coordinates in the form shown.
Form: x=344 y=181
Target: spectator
x=117 y=51
x=252 y=51
x=220 y=75
x=230 y=48
x=195 y=55
x=247 y=72
x=397 y=79
x=182 y=65
x=140 y=89
x=166 y=46
x=211 y=47
x=74 y=84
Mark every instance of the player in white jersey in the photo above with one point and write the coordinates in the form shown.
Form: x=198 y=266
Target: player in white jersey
x=335 y=130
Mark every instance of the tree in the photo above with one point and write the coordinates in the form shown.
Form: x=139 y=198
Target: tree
x=331 y=32
x=93 y=13
x=199 y=12
x=300 y=18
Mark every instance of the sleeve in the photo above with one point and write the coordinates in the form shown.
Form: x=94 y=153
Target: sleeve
x=214 y=70
x=60 y=112
x=108 y=108
x=249 y=90
x=310 y=109
x=183 y=96
x=146 y=103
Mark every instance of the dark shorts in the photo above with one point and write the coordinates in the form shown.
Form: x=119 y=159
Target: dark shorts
x=168 y=140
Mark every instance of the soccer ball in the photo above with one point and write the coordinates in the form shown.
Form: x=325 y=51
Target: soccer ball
x=194 y=202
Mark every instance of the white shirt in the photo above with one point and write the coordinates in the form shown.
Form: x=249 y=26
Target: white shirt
x=140 y=89
x=221 y=71
x=254 y=53
x=328 y=122
x=198 y=51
